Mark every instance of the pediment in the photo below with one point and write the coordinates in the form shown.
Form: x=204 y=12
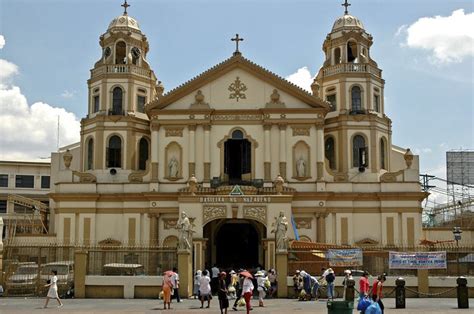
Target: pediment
x=237 y=83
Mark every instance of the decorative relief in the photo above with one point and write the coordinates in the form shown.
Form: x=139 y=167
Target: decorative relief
x=258 y=213
x=275 y=100
x=303 y=222
x=213 y=212
x=174 y=132
x=390 y=177
x=199 y=100
x=301 y=130
x=170 y=223
x=110 y=242
x=237 y=117
x=237 y=89
x=85 y=177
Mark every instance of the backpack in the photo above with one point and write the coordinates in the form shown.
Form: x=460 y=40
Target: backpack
x=330 y=277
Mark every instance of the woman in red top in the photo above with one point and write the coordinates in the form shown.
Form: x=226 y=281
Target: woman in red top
x=364 y=285
x=377 y=294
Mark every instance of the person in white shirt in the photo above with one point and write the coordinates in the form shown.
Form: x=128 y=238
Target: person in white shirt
x=261 y=280
x=197 y=276
x=175 y=281
x=247 y=291
x=205 y=289
x=53 y=289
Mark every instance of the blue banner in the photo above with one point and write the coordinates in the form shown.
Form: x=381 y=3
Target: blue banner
x=417 y=260
x=345 y=257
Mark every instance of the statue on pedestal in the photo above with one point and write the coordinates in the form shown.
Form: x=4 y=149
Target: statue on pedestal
x=280 y=229
x=185 y=232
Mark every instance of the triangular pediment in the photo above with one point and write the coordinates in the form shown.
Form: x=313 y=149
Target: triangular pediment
x=237 y=83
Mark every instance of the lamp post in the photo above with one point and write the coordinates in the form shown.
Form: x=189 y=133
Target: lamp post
x=457 y=236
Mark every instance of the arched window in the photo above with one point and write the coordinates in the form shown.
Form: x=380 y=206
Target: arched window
x=356 y=96
x=90 y=154
x=383 y=154
x=114 y=152
x=143 y=153
x=337 y=55
x=120 y=52
x=329 y=152
x=359 y=152
x=117 y=101
x=351 y=52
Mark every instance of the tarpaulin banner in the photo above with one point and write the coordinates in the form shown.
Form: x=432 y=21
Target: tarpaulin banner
x=417 y=260
x=343 y=258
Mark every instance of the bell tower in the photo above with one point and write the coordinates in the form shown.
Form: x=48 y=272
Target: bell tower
x=115 y=134
x=357 y=131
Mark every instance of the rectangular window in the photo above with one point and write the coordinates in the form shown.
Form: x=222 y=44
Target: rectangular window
x=4 y=180
x=45 y=182
x=24 y=181
x=96 y=103
x=141 y=100
x=3 y=206
x=332 y=100
x=376 y=102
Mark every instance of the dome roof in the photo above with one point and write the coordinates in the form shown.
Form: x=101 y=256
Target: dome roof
x=124 y=21
x=347 y=21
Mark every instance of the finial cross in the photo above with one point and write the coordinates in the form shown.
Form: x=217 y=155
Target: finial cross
x=346 y=5
x=237 y=39
x=125 y=5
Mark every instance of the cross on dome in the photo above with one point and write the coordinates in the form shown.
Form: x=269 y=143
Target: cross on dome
x=125 y=5
x=346 y=5
x=237 y=39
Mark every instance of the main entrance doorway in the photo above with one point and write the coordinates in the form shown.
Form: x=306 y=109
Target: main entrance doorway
x=234 y=243
x=237 y=158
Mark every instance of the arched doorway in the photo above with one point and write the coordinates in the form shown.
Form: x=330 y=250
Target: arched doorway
x=234 y=243
x=237 y=158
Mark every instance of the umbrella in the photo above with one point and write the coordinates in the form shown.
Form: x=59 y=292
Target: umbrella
x=246 y=274
x=168 y=273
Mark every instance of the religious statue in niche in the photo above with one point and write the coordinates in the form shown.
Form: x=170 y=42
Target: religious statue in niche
x=173 y=168
x=280 y=229
x=185 y=232
x=301 y=167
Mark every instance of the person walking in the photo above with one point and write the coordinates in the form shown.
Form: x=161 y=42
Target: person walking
x=364 y=285
x=234 y=281
x=330 y=277
x=238 y=289
x=377 y=293
x=247 y=290
x=214 y=278
x=205 y=289
x=272 y=277
x=167 y=288
x=261 y=279
x=53 y=289
x=222 y=293
x=175 y=281
x=197 y=276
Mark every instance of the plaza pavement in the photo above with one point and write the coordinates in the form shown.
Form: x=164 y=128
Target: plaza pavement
x=136 y=306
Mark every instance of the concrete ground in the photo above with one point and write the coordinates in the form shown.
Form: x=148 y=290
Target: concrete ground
x=34 y=305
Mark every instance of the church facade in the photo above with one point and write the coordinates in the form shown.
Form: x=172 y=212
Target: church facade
x=233 y=148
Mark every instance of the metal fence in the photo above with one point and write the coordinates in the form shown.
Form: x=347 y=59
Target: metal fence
x=460 y=261
x=130 y=261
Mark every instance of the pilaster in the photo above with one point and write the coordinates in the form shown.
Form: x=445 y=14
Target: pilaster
x=185 y=273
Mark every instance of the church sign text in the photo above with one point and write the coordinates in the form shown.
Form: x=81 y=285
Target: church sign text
x=235 y=199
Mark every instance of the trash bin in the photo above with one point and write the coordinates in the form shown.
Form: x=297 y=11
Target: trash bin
x=340 y=307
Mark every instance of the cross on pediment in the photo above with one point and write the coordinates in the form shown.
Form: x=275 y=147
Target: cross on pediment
x=237 y=39
x=346 y=5
x=125 y=5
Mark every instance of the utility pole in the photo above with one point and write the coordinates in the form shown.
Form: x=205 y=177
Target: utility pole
x=425 y=178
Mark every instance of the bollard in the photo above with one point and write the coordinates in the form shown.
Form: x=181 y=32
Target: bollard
x=463 y=293
x=400 y=296
x=350 y=290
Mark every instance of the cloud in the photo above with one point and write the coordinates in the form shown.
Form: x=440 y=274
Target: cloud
x=2 y=41
x=68 y=94
x=301 y=78
x=424 y=150
x=30 y=131
x=449 y=38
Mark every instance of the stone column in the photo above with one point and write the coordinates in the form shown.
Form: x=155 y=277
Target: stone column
x=153 y=228
x=155 y=148
x=282 y=271
x=199 y=246
x=267 y=158
x=185 y=269
x=80 y=272
x=319 y=151
x=207 y=153
x=283 y=149
x=192 y=150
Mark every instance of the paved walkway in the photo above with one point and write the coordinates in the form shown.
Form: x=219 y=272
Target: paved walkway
x=79 y=306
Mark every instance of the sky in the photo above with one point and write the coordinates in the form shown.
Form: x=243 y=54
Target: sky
x=424 y=47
